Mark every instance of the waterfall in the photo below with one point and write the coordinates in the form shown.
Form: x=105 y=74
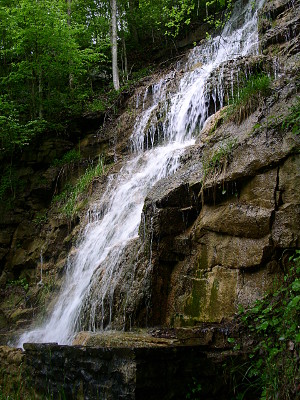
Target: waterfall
x=167 y=125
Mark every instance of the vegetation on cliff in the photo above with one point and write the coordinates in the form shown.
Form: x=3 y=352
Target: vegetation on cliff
x=229 y=246
x=273 y=371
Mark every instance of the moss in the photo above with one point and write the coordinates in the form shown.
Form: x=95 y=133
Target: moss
x=213 y=309
x=180 y=320
x=202 y=262
x=203 y=304
x=210 y=298
x=197 y=298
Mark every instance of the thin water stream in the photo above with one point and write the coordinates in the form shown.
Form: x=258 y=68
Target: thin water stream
x=156 y=154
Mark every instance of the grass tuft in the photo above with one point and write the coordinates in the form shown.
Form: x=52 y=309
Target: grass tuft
x=248 y=98
x=292 y=121
x=69 y=200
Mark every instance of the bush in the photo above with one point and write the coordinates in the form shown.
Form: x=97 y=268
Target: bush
x=274 y=323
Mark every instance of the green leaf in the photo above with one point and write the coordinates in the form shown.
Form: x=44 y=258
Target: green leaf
x=294 y=302
x=296 y=285
x=273 y=352
x=263 y=326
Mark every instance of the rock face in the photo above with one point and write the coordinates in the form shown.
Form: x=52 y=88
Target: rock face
x=221 y=235
x=232 y=252
x=229 y=250
x=216 y=236
x=35 y=237
x=11 y=370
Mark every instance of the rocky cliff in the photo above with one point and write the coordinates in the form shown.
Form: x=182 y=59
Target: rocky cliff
x=222 y=230
x=219 y=232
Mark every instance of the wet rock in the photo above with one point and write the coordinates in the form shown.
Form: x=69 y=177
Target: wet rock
x=210 y=125
x=125 y=299
x=289 y=180
x=11 y=361
x=244 y=215
x=230 y=251
x=122 y=339
x=93 y=144
x=21 y=315
x=253 y=285
x=274 y=8
x=259 y=191
x=285 y=231
x=285 y=23
x=3 y=321
x=6 y=236
x=47 y=151
x=235 y=219
x=230 y=76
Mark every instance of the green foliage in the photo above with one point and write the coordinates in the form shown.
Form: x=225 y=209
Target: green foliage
x=194 y=391
x=45 y=75
x=177 y=15
x=19 y=282
x=274 y=324
x=9 y=185
x=180 y=14
x=54 y=53
x=70 y=157
x=69 y=200
x=40 y=218
x=15 y=133
x=97 y=105
x=107 y=100
x=17 y=386
x=213 y=165
x=248 y=97
x=218 y=13
x=292 y=121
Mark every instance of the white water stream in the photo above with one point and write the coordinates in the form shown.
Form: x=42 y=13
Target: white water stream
x=156 y=154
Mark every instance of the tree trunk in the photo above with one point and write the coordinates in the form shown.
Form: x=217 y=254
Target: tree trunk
x=114 y=45
x=133 y=4
x=40 y=95
x=125 y=58
x=69 y=24
x=124 y=52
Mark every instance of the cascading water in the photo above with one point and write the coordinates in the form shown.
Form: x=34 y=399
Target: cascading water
x=166 y=126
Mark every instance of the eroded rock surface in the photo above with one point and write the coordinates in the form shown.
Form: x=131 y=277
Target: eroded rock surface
x=220 y=237
x=210 y=237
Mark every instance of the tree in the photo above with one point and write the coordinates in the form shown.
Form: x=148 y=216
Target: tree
x=114 y=44
x=38 y=54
